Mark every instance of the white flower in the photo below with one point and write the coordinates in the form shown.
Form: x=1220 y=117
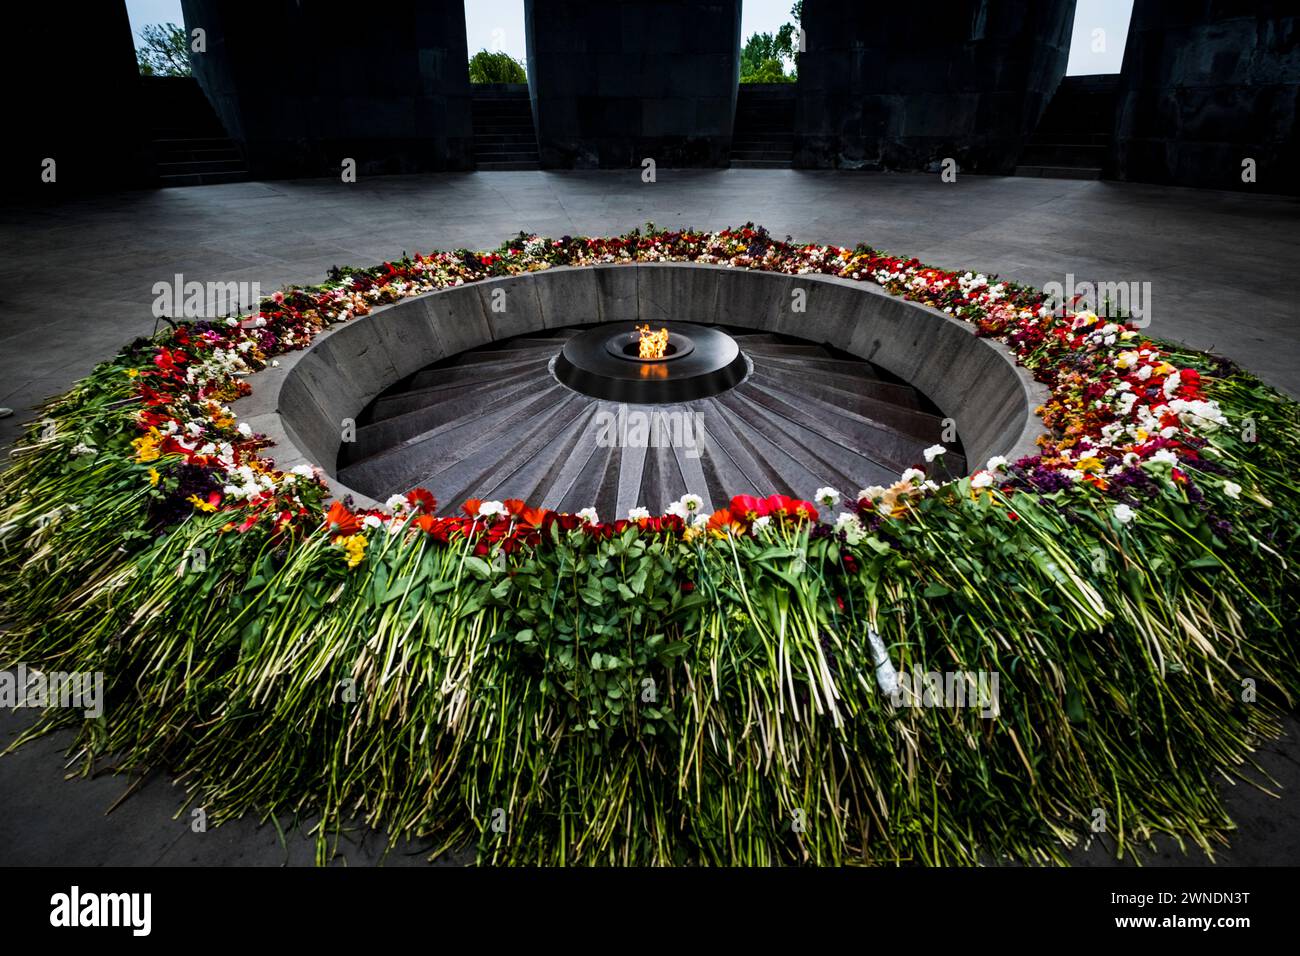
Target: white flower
x=828 y=497
x=761 y=523
x=488 y=509
x=686 y=506
x=81 y=448
x=371 y=521
x=304 y=471
x=981 y=479
x=851 y=527
x=1172 y=383
x=701 y=521
x=1144 y=372
x=637 y=514
x=396 y=504
x=1232 y=489
x=589 y=515
x=996 y=463
x=1164 y=455
x=911 y=474
x=933 y=452
x=870 y=493
x=1123 y=514
x=245 y=430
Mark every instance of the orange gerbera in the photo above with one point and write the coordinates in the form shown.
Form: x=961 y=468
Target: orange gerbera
x=342 y=521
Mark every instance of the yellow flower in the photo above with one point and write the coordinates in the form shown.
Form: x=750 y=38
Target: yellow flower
x=146 y=447
x=1091 y=463
x=204 y=506
x=132 y=372
x=354 y=545
x=154 y=477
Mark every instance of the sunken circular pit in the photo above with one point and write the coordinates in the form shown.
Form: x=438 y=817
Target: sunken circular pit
x=534 y=387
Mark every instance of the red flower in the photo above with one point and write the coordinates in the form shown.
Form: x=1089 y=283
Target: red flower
x=422 y=500
x=748 y=508
x=781 y=506
x=341 y=521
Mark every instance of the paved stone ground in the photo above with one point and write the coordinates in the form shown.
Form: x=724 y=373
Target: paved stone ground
x=76 y=282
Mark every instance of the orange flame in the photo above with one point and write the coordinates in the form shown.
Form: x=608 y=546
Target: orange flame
x=652 y=344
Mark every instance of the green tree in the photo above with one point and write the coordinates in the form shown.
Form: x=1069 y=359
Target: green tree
x=765 y=55
x=166 y=50
x=499 y=67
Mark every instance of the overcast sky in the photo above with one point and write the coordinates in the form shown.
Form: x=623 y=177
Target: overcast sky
x=499 y=24
x=1110 y=16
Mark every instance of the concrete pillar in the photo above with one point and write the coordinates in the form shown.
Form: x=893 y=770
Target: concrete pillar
x=302 y=86
x=1206 y=85
x=74 y=98
x=616 y=83
x=904 y=86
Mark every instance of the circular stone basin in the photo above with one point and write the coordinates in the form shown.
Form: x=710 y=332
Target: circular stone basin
x=604 y=362
x=314 y=405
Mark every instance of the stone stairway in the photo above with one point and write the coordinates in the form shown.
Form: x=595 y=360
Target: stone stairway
x=763 y=136
x=504 y=137
x=494 y=423
x=1073 y=138
x=189 y=145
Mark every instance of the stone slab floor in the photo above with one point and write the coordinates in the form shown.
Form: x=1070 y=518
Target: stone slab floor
x=76 y=282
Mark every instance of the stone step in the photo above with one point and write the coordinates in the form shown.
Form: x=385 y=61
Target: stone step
x=498 y=356
x=461 y=374
x=1064 y=154
x=913 y=422
x=196 y=155
x=407 y=400
x=504 y=139
x=760 y=164
x=491 y=456
x=451 y=455
x=202 y=179
x=1059 y=172
x=194 y=142
x=191 y=167
x=760 y=155
x=452 y=405
x=533 y=477
x=850 y=444
x=506 y=156
x=495 y=167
